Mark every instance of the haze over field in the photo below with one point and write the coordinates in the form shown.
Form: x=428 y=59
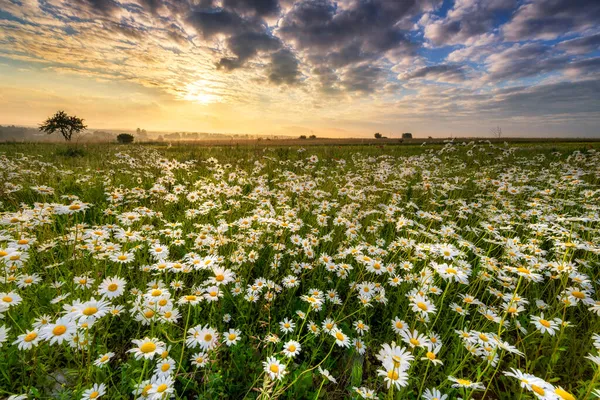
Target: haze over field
x=283 y=67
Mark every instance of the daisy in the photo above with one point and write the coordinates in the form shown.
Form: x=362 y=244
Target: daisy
x=543 y=325
x=146 y=348
x=204 y=336
x=359 y=345
x=222 y=276
x=28 y=340
x=199 y=359
x=274 y=368
x=63 y=329
x=163 y=387
x=103 y=359
x=95 y=392
x=327 y=375
x=341 y=339
x=360 y=327
x=165 y=367
x=398 y=325
x=10 y=299
x=291 y=349
x=112 y=287
x=287 y=325
x=3 y=334
x=459 y=382
x=421 y=304
x=434 y=394
x=232 y=336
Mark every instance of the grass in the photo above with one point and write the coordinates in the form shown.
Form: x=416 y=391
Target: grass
x=518 y=224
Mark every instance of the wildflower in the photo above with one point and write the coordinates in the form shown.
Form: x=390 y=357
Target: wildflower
x=63 y=329
x=146 y=348
x=165 y=367
x=199 y=359
x=543 y=325
x=204 y=336
x=291 y=349
x=274 y=368
x=327 y=375
x=287 y=326
x=28 y=340
x=95 y=392
x=341 y=339
x=112 y=287
x=232 y=336
x=459 y=382
x=103 y=359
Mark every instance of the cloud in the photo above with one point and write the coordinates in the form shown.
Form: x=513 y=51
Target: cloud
x=440 y=73
x=465 y=22
x=284 y=68
x=549 y=19
x=522 y=61
x=581 y=45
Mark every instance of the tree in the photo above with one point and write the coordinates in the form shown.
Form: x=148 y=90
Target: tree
x=125 y=138
x=312 y=137
x=378 y=135
x=302 y=136
x=67 y=125
x=407 y=135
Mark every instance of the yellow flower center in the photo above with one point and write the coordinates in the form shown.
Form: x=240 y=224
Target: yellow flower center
x=545 y=323
x=7 y=299
x=340 y=336
x=274 y=368
x=208 y=337
x=393 y=375
x=464 y=382
x=422 y=306
x=220 y=278
x=165 y=367
x=147 y=347
x=579 y=295
x=112 y=287
x=93 y=395
x=59 y=330
x=161 y=388
x=30 y=336
x=538 y=390
x=90 y=311
x=563 y=394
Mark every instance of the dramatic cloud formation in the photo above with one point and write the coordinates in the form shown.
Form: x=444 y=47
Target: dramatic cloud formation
x=346 y=67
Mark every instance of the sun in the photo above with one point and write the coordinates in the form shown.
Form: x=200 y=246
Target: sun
x=201 y=92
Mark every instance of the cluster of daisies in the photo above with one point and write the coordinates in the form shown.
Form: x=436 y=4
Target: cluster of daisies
x=435 y=276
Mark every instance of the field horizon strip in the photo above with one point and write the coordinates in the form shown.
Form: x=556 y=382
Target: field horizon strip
x=466 y=269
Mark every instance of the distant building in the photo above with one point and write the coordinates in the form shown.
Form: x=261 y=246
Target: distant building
x=407 y=135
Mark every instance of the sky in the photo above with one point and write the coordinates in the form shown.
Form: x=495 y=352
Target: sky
x=346 y=68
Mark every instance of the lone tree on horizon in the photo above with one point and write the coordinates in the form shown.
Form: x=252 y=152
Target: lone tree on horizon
x=67 y=125
x=125 y=138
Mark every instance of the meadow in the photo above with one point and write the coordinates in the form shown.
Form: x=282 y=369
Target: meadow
x=442 y=271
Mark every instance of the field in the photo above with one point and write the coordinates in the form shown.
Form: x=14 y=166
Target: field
x=441 y=271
